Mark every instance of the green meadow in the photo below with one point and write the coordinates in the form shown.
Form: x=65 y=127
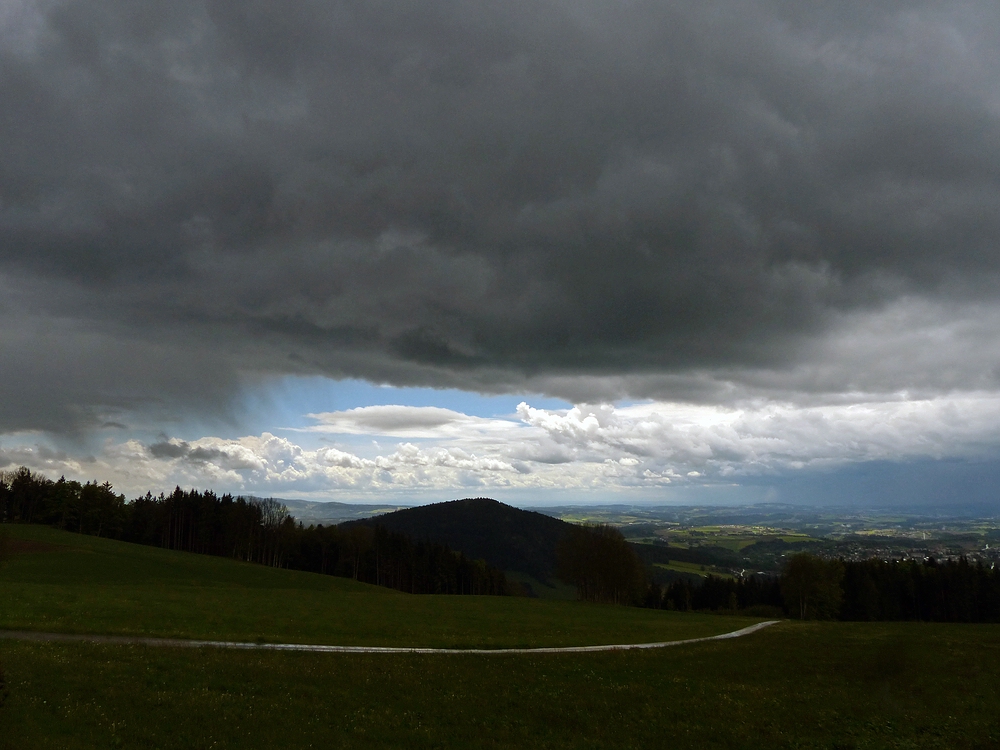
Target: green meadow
x=83 y=584
x=693 y=568
x=729 y=538
x=794 y=685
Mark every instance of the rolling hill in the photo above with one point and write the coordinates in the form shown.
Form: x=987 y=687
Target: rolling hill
x=506 y=537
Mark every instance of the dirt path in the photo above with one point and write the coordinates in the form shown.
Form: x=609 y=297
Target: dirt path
x=27 y=635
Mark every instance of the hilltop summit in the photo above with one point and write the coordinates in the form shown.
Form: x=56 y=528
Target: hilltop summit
x=482 y=528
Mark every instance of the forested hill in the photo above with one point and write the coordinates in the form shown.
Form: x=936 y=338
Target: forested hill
x=480 y=528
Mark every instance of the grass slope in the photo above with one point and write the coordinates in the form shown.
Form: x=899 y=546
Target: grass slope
x=796 y=685
x=101 y=586
x=829 y=685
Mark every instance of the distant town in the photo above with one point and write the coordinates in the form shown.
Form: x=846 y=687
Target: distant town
x=754 y=540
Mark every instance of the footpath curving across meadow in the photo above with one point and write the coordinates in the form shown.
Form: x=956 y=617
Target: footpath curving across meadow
x=27 y=635
x=90 y=585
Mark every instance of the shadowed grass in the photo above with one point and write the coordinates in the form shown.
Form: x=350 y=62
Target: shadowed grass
x=101 y=586
x=796 y=685
x=813 y=685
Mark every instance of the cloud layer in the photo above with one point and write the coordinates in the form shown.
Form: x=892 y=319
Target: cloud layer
x=656 y=448
x=704 y=201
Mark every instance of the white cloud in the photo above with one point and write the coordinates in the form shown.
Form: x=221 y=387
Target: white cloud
x=606 y=447
x=404 y=422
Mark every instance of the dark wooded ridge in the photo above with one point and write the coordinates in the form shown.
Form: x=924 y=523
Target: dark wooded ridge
x=506 y=537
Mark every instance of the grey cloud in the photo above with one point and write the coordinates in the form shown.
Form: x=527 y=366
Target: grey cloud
x=182 y=449
x=201 y=455
x=206 y=454
x=169 y=450
x=546 y=454
x=610 y=199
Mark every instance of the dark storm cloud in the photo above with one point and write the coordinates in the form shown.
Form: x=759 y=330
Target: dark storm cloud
x=602 y=198
x=169 y=450
x=181 y=449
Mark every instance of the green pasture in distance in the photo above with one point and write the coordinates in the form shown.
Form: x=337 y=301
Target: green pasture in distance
x=91 y=585
x=736 y=543
x=794 y=685
x=712 y=536
x=692 y=568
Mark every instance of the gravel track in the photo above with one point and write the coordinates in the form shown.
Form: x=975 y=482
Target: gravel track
x=125 y=640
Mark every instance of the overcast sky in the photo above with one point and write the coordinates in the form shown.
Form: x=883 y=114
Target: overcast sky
x=538 y=249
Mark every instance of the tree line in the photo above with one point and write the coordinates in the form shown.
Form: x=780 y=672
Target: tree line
x=598 y=560
x=250 y=529
x=810 y=587
x=606 y=568
x=600 y=563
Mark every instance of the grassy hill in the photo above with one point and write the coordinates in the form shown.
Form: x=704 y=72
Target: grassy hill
x=796 y=685
x=85 y=584
x=506 y=537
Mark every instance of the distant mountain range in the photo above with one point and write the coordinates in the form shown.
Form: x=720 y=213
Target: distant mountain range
x=506 y=537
